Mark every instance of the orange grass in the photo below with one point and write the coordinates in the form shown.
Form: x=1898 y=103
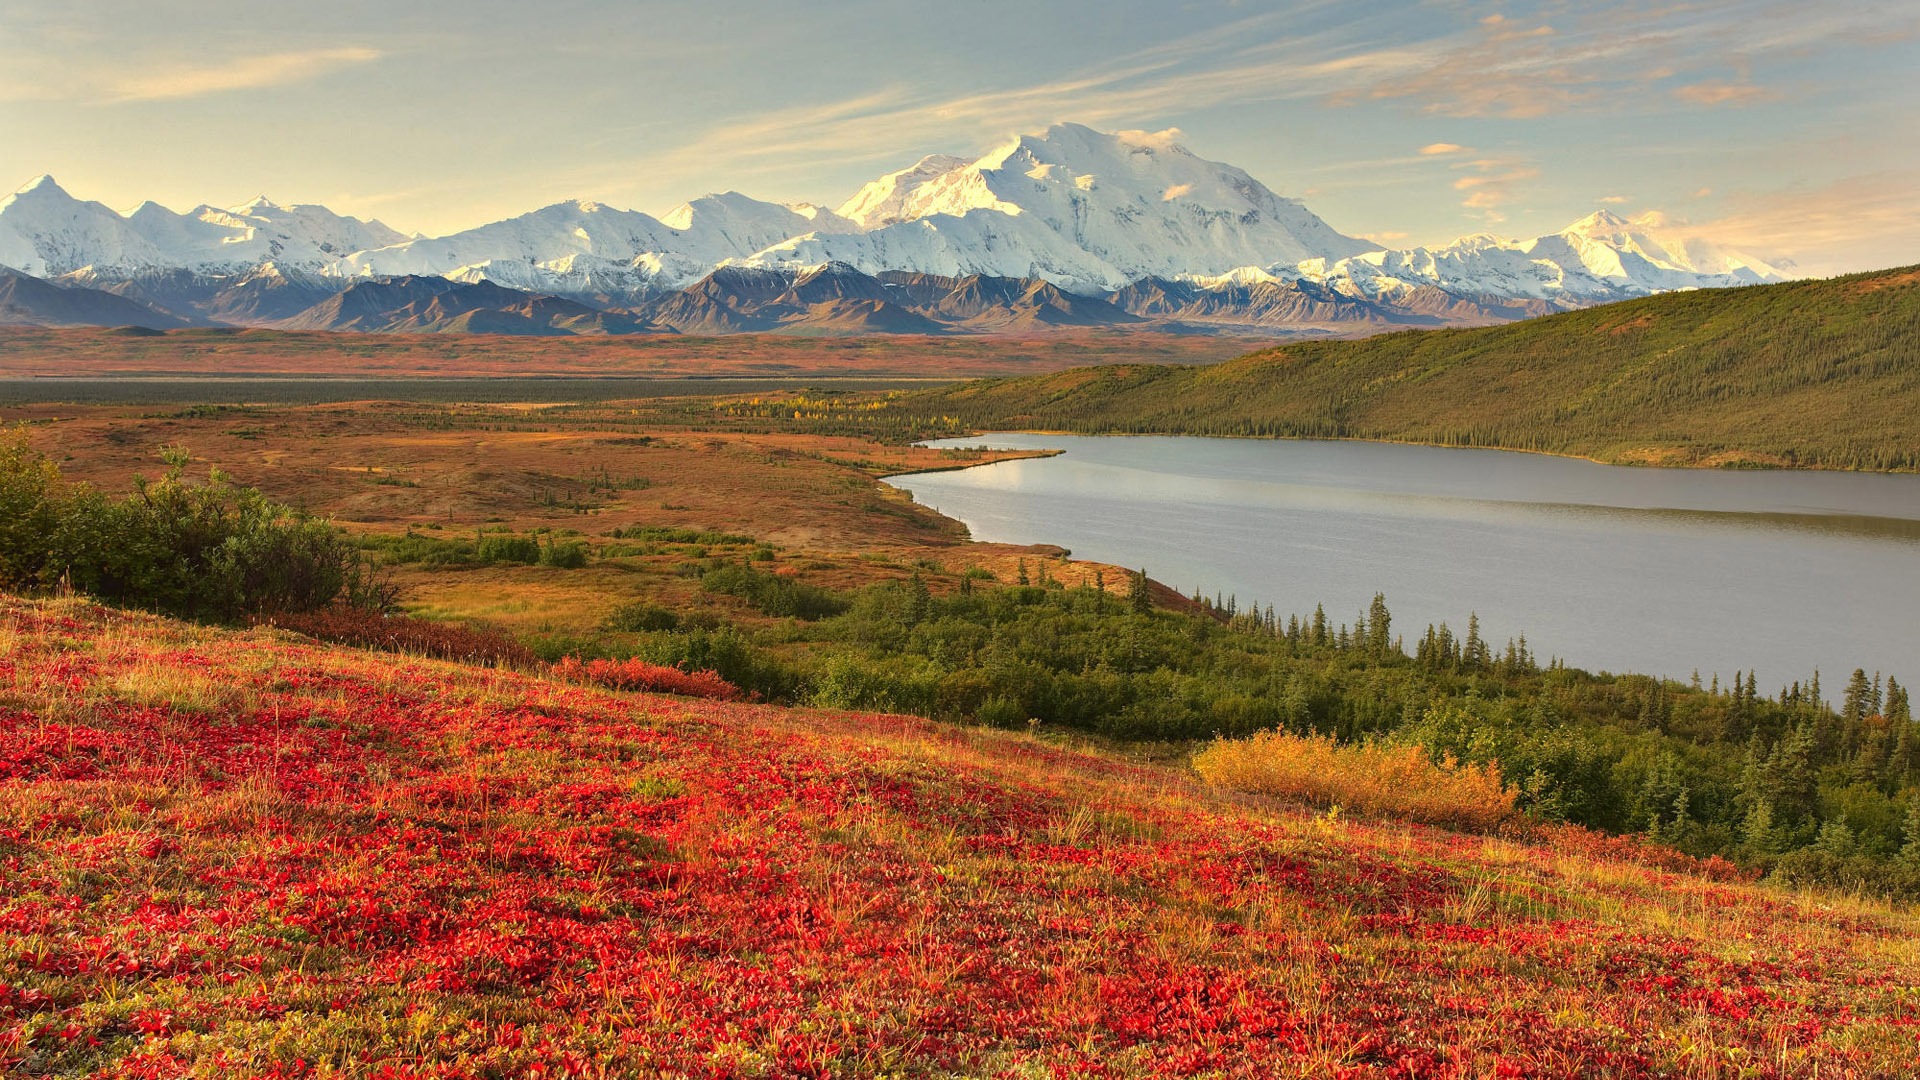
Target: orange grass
x=35 y=352
x=1380 y=779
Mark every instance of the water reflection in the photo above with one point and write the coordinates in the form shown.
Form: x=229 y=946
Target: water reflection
x=1629 y=569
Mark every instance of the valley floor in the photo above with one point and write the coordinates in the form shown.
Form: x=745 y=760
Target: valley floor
x=39 y=353
x=240 y=854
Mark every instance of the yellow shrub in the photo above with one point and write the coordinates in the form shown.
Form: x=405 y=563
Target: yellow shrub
x=1373 y=778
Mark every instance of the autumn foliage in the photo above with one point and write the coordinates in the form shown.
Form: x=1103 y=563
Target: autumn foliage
x=403 y=634
x=235 y=855
x=1373 y=778
x=650 y=678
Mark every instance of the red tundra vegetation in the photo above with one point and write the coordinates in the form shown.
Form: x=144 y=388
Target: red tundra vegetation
x=241 y=854
x=642 y=676
x=402 y=633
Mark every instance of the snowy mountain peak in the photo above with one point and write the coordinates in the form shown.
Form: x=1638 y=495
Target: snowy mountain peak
x=44 y=181
x=1666 y=245
x=1087 y=211
x=1600 y=222
x=46 y=196
x=1119 y=206
x=45 y=232
x=883 y=202
x=1075 y=144
x=722 y=202
x=1600 y=257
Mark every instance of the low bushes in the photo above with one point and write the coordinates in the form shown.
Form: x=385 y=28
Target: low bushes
x=507 y=548
x=403 y=634
x=1598 y=847
x=772 y=594
x=212 y=551
x=642 y=676
x=1373 y=778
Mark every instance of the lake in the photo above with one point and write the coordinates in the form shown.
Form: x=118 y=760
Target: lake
x=1659 y=571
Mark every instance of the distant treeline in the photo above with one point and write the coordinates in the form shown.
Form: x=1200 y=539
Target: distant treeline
x=1780 y=781
x=1804 y=374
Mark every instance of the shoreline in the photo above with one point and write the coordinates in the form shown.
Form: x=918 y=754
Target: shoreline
x=1570 y=456
x=1655 y=670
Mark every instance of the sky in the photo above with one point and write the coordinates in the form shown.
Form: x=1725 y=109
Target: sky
x=1790 y=131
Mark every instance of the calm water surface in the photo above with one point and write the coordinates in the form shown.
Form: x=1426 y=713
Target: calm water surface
x=1662 y=571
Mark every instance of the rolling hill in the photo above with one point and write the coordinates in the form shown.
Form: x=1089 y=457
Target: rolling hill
x=1806 y=374
x=246 y=854
x=29 y=301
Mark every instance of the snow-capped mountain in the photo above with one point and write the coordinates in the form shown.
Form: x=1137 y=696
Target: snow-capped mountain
x=884 y=202
x=1086 y=212
x=587 y=247
x=299 y=237
x=46 y=232
x=1600 y=257
x=1138 y=202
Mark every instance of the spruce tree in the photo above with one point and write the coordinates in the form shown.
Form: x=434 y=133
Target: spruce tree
x=1900 y=720
x=1757 y=831
x=1477 y=655
x=1379 y=620
x=919 y=599
x=1858 y=702
x=1910 y=851
x=1139 y=599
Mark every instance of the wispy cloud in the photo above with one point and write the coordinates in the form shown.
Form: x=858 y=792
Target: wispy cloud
x=242 y=73
x=1496 y=67
x=1722 y=93
x=1199 y=71
x=1491 y=184
x=1614 y=200
x=1616 y=58
x=1858 y=223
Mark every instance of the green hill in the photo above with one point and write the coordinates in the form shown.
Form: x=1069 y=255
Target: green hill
x=1805 y=374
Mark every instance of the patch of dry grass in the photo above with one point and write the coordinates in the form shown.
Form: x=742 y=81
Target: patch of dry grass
x=1375 y=778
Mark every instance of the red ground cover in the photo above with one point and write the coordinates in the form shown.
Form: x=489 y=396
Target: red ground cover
x=230 y=855
x=651 y=678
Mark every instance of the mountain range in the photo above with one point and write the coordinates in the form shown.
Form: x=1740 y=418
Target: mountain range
x=1066 y=227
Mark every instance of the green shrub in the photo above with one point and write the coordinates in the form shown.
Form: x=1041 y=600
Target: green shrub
x=640 y=617
x=772 y=594
x=508 y=549
x=568 y=555
x=213 y=551
x=30 y=498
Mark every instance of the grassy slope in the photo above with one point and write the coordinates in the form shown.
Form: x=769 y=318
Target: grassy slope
x=1813 y=373
x=222 y=854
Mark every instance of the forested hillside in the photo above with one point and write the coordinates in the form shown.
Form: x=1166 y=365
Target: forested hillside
x=1819 y=374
